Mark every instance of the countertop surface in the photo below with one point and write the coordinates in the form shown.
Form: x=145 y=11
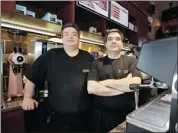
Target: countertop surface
x=12 y=105
x=120 y=128
x=16 y=104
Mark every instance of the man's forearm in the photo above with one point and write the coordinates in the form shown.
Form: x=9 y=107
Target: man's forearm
x=121 y=84
x=29 y=89
x=100 y=90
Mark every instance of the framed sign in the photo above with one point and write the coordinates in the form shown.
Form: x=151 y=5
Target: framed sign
x=119 y=14
x=131 y=26
x=135 y=28
x=99 y=7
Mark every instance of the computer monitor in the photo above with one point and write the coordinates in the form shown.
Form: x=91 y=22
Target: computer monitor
x=158 y=59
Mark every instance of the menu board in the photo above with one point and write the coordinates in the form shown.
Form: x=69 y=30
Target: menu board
x=100 y=7
x=119 y=14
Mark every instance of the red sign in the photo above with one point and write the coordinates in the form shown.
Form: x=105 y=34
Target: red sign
x=115 y=11
x=119 y=14
x=100 y=7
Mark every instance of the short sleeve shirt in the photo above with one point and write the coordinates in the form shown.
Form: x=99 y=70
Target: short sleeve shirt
x=107 y=68
x=66 y=77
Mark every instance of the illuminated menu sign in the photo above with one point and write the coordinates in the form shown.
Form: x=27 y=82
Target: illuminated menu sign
x=100 y=7
x=119 y=14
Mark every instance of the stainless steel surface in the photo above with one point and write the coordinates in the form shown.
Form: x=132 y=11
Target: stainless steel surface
x=173 y=116
x=176 y=127
x=136 y=98
x=153 y=85
x=174 y=86
x=30 y=24
x=153 y=117
x=160 y=63
x=1 y=71
x=1 y=63
x=34 y=50
x=12 y=105
x=1 y=57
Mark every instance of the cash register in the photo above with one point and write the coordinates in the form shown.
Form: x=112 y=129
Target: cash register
x=158 y=59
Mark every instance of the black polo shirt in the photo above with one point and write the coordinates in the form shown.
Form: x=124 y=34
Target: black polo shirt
x=106 y=68
x=66 y=77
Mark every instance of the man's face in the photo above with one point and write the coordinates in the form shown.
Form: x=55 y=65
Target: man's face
x=114 y=42
x=70 y=37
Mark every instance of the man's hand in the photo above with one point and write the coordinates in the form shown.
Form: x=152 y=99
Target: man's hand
x=29 y=104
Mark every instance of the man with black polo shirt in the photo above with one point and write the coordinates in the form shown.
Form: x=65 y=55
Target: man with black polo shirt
x=108 y=80
x=65 y=71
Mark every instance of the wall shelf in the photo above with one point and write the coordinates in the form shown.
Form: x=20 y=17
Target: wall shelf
x=35 y=25
x=69 y=12
x=30 y=24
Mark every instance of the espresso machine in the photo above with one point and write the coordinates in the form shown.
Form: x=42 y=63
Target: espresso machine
x=39 y=47
x=158 y=59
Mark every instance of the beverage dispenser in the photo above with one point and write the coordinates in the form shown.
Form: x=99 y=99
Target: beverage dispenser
x=16 y=60
x=39 y=47
x=158 y=59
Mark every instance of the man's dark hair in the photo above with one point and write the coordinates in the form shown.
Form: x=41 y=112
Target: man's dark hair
x=70 y=25
x=114 y=30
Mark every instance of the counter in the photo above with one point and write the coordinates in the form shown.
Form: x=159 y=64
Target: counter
x=15 y=106
x=10 y=106
x=12 y=116
x=120 y=128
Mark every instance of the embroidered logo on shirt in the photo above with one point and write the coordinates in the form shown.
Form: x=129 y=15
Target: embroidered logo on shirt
x=85 y=70
x=125 y=71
